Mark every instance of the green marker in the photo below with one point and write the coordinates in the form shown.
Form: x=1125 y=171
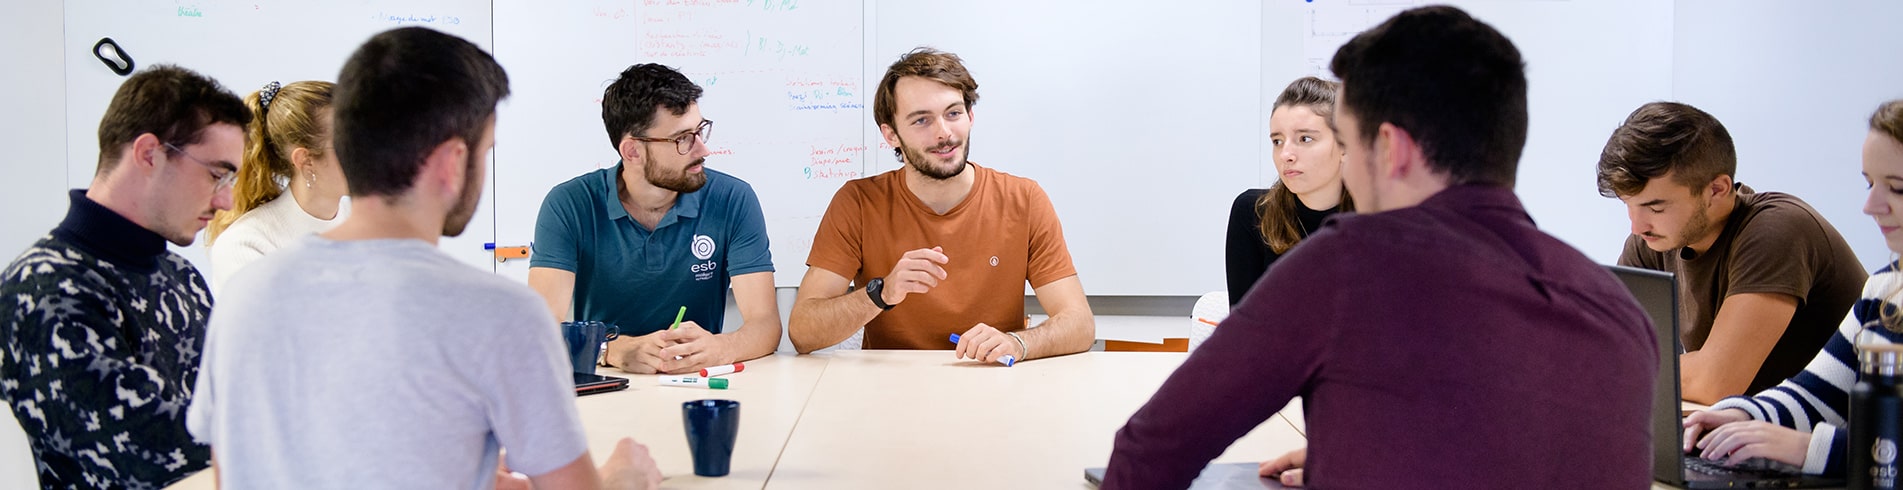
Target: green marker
x=677 y=318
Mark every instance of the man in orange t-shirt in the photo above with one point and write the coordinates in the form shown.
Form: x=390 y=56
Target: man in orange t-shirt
x=940 y=246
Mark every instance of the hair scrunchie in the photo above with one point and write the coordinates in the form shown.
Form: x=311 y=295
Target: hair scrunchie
x=266 y=94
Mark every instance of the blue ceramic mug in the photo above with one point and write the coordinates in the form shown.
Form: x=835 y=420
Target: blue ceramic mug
x=585 y=342
x=712 y=426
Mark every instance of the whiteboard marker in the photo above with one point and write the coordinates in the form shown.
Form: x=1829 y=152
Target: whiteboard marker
x=694 y=382
x=1007 y=360
x=723 y=369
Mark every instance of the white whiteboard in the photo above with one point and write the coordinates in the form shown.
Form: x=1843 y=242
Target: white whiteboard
x=1050 y=111
x=243 y=44
x=1142 y=120
x=783 y=82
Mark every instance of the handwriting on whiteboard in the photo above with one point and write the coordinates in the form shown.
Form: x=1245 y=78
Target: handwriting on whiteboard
x=817 y=95
x=774 y=5
x=834 y=162
x=604 y=13
x=686 y=44
x=417 y=19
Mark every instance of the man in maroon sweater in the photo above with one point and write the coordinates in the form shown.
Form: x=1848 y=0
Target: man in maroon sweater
x=1438 y=339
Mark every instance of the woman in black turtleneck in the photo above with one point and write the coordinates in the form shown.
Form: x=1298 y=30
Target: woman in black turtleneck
x=1266 y=223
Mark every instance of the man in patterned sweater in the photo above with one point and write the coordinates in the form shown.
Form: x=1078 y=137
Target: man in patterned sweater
x=102 y=324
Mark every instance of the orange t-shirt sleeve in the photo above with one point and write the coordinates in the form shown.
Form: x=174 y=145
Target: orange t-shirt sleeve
x=1050 y=257
x=837 y=244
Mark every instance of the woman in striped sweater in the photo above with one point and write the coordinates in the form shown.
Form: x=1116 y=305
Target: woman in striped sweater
x=1801 y=421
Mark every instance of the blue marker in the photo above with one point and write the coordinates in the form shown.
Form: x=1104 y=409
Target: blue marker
x=1007 y=360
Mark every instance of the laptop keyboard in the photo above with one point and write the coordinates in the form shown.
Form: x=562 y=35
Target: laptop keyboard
x=1751 y=467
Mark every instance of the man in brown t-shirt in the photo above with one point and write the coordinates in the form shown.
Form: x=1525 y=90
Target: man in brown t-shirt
x=1763 y=280
x=940 y=246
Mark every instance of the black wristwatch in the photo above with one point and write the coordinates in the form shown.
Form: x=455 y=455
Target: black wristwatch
x=874 y=288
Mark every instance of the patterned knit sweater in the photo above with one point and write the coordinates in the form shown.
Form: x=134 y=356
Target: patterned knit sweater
x=102 y=329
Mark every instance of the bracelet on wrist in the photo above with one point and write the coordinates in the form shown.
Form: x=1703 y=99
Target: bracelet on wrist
x=1023 y=349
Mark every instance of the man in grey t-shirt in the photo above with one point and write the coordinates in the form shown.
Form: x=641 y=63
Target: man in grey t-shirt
x=367 y=356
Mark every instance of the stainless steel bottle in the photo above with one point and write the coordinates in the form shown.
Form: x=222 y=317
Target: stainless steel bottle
x=1876 y=411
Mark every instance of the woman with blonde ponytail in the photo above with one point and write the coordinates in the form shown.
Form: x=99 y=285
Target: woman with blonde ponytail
x=1801 y=421
x=290 y=183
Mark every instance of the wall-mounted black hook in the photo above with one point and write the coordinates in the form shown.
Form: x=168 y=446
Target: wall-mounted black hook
x=123 y=65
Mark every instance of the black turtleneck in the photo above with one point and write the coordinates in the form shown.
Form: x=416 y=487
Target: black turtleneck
x=102 y=232
x=1246 y=255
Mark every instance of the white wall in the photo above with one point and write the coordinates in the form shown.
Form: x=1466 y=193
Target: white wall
x=1794 y=84
x=32 y=86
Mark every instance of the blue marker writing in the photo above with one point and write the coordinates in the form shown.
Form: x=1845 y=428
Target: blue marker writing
x=1007 y=360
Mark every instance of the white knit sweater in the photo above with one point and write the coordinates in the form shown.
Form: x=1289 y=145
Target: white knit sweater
x=261 y=231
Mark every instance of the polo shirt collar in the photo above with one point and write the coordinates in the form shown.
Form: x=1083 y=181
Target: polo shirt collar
x=611 y=202
x=685 y=205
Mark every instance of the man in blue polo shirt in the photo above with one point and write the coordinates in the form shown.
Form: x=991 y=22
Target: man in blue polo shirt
x=633 y=244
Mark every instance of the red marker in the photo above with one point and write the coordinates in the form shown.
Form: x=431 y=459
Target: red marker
x=720 y=370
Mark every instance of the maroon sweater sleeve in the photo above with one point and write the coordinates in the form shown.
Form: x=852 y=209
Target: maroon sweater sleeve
x=1263 y=355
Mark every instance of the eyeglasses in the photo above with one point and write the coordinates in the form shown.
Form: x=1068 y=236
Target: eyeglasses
x=226 y=177
x=685 y=142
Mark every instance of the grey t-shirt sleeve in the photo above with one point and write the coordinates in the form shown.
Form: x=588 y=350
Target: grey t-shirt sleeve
x=200 y=414
x=530 y=395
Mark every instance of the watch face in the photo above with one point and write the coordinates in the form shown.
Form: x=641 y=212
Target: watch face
x=874 y=288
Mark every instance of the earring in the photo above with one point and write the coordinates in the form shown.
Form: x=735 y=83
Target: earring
x=310 y=178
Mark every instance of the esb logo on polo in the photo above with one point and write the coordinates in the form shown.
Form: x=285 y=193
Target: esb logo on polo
x=703 y=250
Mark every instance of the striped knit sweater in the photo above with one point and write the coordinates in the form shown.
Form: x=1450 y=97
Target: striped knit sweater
x=1818 y=399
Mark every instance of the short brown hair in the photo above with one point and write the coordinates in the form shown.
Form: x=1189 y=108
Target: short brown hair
x=928 y=63
x=399 y=95
x=1454 y=83
x=172 y=103
x=630 y=104
x=1889 y=119
x=1661 y=138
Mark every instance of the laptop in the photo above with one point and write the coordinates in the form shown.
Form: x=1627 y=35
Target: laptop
x=591 y=383
x=1216 y=476
x=1658 y=296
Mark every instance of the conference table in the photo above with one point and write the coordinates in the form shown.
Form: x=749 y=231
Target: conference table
x=903 y=419
x=906 y=419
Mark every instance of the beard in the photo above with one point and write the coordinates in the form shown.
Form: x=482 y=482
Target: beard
x=1697 y=227
x=921 y=161
x=682 y=182
x=465 y=208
